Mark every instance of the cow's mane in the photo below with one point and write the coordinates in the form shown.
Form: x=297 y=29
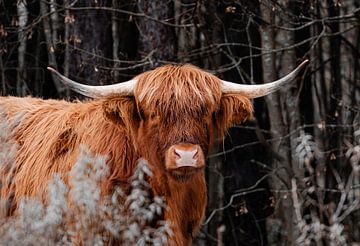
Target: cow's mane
x=178 y=90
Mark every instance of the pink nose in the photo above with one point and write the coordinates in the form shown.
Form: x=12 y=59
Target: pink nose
x=184 y=155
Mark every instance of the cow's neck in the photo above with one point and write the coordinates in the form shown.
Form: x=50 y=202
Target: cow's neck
x=187 y=202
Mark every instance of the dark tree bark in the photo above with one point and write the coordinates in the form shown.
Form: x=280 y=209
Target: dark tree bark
x=334 y=116
x=212 y=31
x=283 y=114
x=156 y=40
x=89 y=44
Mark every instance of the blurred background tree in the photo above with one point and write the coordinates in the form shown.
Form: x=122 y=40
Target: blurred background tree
x=288 y=176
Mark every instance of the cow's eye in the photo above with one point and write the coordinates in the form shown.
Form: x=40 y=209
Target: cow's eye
x=154 y=116
x=142 y=114
x=150 y=116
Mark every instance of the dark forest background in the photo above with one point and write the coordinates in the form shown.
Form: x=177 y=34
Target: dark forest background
x=289 y=176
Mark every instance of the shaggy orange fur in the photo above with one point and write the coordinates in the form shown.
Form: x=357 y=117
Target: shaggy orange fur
x=171 y=104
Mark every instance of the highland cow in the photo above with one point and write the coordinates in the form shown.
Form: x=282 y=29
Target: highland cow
x=169 y=116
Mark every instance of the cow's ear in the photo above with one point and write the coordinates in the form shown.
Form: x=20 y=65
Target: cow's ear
x=234 y=109
x=121 y=110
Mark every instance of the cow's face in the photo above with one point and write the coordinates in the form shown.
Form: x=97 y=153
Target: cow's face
x=174 y=115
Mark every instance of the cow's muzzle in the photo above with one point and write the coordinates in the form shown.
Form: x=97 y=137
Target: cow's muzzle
x=184 y=155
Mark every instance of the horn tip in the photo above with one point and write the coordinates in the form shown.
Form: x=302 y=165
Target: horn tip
x=51 y=69
x=304 y=63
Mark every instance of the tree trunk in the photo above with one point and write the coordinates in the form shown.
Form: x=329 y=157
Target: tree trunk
x=212 y=31
x=156 y=40
x=22 y=37
x=283 y=215
x=44 y=10
x=89 y=48
x=335 y=85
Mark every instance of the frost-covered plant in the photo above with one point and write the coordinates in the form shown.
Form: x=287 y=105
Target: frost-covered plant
x=142 y=210
x=84 y=178
x=306 y=149
x=80 y=212
x=312 y=231
x=7 y=146
x=325 y=220
x=35 y=222
x=353 y=152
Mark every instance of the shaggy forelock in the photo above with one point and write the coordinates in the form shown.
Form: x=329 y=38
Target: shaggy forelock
x=178 y=90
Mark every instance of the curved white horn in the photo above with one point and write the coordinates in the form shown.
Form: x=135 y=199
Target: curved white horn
x=254 y=91
x=124 y=88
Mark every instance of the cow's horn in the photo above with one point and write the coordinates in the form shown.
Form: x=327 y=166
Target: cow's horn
x=254 y=91
x=124 y=88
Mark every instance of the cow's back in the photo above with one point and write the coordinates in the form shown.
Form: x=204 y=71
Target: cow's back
x=48 y=135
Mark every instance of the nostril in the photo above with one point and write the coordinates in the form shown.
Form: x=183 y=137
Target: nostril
x=196 y=154
x=177 y=154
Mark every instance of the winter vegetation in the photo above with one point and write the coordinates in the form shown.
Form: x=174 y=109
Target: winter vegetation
x=319 y=219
